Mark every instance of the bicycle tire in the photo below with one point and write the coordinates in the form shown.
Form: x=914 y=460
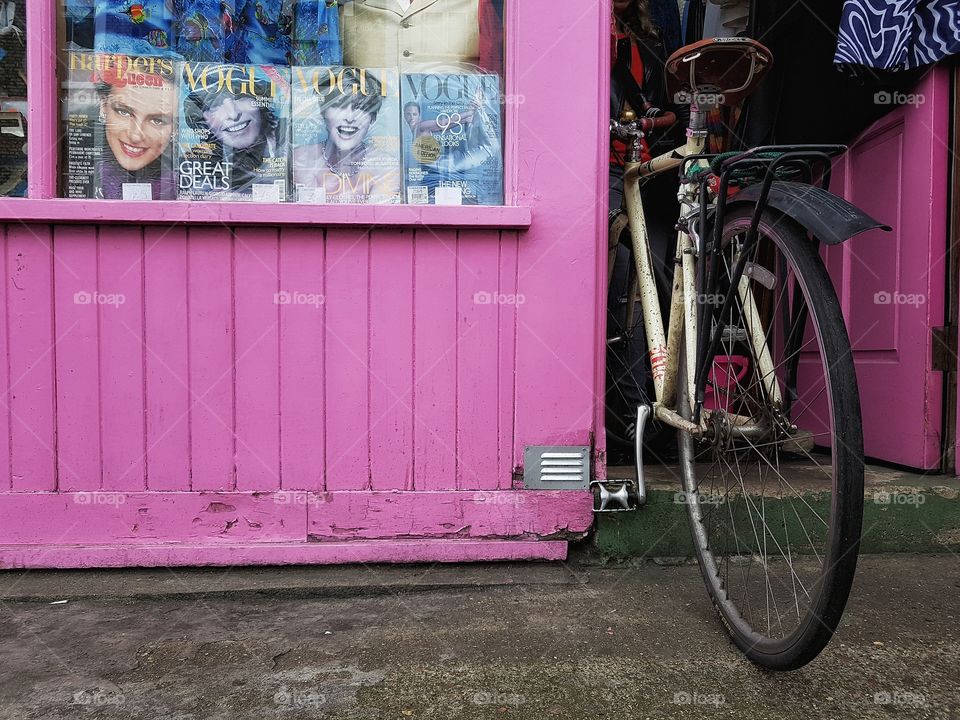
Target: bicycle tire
x=816 y=623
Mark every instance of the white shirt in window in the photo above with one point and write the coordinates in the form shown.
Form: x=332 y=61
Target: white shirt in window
x=404 y=5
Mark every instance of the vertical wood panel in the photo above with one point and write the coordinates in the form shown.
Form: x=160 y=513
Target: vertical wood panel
x=257 y=352
x=347 y=359
x=509 y=457
x=78 y=352
x=6 y=479
x=31 y=351
x=559 y=385
x=210 y=258
x=42 y=116
x=391 y=359
x=303 y=409
x=435 y=360
x=120 y=313
x=479 y=301
x=166 y=361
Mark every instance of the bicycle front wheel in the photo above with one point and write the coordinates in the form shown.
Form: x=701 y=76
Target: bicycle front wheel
x=774 y=490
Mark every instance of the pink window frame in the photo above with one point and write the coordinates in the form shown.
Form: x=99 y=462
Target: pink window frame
x=43 y=205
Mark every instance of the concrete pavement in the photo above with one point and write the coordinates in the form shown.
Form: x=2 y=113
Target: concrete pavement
x=581 y=640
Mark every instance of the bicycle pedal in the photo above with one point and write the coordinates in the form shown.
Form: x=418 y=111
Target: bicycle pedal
x=614 y=496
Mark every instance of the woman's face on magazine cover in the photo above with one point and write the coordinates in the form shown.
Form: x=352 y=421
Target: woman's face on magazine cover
x=236 y=122
x=139 y=123
x=411 y=114
x=347 y=126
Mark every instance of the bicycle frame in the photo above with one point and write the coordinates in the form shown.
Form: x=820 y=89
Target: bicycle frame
x=664 y=345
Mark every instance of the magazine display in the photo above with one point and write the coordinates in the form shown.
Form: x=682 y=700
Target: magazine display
x=119 y=116
x=346 y=143
x=123 y=27
x=234 y=132
x=452 y=139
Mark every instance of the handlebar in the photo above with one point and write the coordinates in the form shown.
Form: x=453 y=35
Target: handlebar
x=653 y=119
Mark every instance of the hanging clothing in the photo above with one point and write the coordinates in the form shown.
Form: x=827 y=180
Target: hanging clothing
x=203 y=29
x=788 y=106
x=128 y=28
x=625 y=53
x=666 y=17
x=727 y=19
x=898 y=34
x=434 y=36
x=316 y=33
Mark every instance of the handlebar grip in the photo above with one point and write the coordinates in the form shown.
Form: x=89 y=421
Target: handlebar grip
x=662 y=122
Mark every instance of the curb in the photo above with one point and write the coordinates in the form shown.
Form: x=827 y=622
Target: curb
x=48 y=586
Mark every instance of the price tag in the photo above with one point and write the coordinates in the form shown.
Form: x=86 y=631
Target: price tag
x=449 y=196
x=137 y=191
x=266 y=193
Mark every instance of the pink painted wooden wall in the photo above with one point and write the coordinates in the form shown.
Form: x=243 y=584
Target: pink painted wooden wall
x=160 y=406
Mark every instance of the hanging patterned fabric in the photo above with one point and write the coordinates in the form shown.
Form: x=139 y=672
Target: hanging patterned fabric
x=898 y=34
x=316 y=33
x=262 y=34
x=134 y=28
x=204 y=28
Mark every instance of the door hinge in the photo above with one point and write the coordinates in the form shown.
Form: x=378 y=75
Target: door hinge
x=945 y=349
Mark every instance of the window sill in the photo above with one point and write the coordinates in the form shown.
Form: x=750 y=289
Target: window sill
x=214 y=213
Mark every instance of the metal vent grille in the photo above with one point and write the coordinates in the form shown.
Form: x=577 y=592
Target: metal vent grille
x=553 y=467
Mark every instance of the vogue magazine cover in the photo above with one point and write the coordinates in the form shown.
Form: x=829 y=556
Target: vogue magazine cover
x=346 y=143
x=452 y=139
x=234 y=132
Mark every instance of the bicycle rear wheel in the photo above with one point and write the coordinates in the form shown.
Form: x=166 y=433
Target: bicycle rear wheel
x=774 y=491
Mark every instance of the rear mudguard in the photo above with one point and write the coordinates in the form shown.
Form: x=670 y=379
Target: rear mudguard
x=831 y=219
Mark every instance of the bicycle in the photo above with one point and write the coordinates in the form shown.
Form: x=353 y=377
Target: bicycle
x=754 y=371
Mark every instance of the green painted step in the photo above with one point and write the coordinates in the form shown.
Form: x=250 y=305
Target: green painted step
x=902 y=512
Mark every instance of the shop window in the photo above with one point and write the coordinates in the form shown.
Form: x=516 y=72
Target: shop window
x=13 y=98
x=302 y=101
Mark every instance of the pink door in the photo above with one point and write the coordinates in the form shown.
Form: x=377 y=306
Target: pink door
x=892 y=285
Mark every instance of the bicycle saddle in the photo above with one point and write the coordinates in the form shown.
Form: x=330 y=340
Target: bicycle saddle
x=717 y=71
